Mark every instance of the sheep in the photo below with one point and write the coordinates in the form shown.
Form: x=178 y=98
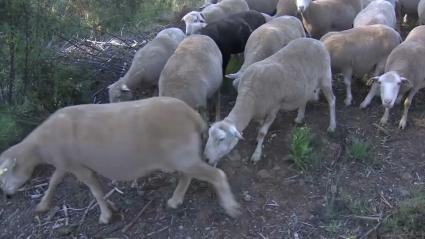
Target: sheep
x=404 y=73
x=267 y=40
x=377 y=12
x=196 y=20
x=366 y=3
x=286 y=8
x=286 y=80
x=158 y=133
x=322 y=16
x=264 y=6
x=231 y=33
x=421 y=12
x=360 y=50
x=409 y=9
x=147 y=65
x=199 y=78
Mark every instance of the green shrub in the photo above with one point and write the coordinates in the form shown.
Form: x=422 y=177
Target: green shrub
x=359 y=150
x=10 y=132
x=300 y=148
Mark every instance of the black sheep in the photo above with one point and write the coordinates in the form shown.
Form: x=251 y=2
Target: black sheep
x=232 y=33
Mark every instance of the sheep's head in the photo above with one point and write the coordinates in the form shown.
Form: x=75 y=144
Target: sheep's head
x=389 y=85
x=194 y=21
x=118 y=92
x=223 y=137
x=302 y=5
x=12 y=175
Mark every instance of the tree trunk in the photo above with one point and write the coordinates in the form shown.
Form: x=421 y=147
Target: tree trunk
x=12 y=71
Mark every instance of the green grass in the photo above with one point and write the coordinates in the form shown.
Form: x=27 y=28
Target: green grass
x=301 y=148
x=10 y=132
x=409 y=219
x=359 y=150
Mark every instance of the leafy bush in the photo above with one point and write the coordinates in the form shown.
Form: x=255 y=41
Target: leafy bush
x=10 y=132
x=300 y=148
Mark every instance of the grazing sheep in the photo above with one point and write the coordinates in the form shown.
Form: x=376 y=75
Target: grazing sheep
x=358 y=51
x=286 y=8
x=195 y=20
x=286 y=80
x=405 y=73
x=267 y=40
x=147 y=65
x=231 y=33
x=377 y=12
x=322 y=16
x=193 y=73
x=366 y=3
x=264 y=6
x=158 y=133
x=421 y=12
x=409 y=9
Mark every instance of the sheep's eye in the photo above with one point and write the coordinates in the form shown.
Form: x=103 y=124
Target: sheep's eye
x=398 y=83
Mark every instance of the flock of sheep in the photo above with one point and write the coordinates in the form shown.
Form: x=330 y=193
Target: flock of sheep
x=282 y=70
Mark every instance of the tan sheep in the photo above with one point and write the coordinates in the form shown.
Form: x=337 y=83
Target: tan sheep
x=286 y=81
x=377 y=12
x=121 y=141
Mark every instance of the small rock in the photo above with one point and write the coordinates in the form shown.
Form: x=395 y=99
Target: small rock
x=247 y=197
x=276 y=168
x=404 y=192
x=263 y=173
x=406 y=176
x=181 y=227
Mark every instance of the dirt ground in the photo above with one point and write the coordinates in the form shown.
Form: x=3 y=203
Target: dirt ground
x=338 y=198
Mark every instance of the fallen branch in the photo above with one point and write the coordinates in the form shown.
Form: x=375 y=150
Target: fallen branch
x=128 y=226
x=374 y=228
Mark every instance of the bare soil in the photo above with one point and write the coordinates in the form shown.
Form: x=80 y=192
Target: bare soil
x=338 y=198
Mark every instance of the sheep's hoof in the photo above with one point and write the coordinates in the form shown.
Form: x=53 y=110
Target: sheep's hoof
x=383 y=121
x=256 y=156
x=364 y=105
x=402 y=124
x=173 y=203
x=298 y=120
x=233 y=209
x=42 y=207
x=105 y=218
x=347 y=102
x=331 y=129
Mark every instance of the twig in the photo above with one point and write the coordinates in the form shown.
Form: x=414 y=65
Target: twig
x=374 y=228
x=158 y=231
x=262 y=236
x=65 y=211
x=385 y=200
x=381 y=128
x=90 y=206
x=128 y=226
x=365 y=217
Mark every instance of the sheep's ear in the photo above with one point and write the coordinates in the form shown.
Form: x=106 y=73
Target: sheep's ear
x=202 y=18
x=236 y=133
x=405 y=81
x=372 y=80
x=125 y=88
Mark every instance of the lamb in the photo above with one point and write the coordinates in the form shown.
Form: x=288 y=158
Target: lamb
x=158 y=133
x=360 y=50
x=231 y=33
x=286 y=80
x=421 y=12
x=404 y=73
x=322 y=16
x=199 y=77
x=286 y=8
x=377 y=12
x=267 y=40
x=264 y=6
x=195 y=20
x=147 y=65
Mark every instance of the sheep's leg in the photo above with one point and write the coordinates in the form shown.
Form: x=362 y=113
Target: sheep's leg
x=372 y=92
x=330 y=98
x=348 y=74
x=178 y=195
x=46 y=201
x=217 y=105
x=301 y=114
x=87 y=177
x=384 y=118
x=264 y=128
x=218 y=179
x=407 y=103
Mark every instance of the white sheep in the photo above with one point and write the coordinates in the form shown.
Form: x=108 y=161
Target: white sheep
x=147 y=65
x=322 y=16
x=196 y=20
x=377 y=12
x=404 y=73
x=286 y=80
x=358 y=51
x=194 y=73
x=421 y=12
x=267 y=40
x=286 y=8
x=366 y=3
x=121 y=141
